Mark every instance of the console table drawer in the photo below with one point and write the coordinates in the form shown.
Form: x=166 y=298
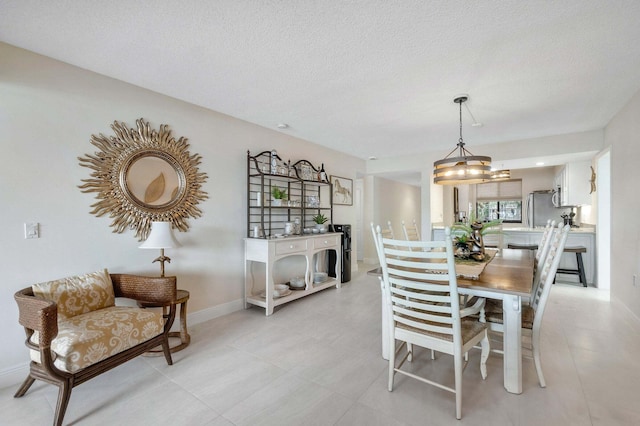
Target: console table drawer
x=326 y=242
x=285 y=247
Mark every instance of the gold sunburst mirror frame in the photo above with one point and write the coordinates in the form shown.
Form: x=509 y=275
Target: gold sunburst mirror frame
x=141 y=176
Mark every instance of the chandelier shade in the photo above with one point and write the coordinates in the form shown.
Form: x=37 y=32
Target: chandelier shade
x=497 y=175
x=465 y=168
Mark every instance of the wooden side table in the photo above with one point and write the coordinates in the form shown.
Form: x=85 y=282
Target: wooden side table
x=182 y=296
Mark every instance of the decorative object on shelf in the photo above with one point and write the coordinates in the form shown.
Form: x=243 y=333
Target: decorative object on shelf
x=274 y=162
x=306 y=171
x=592 y=181
x=161 y=237
x=278 y=196
x=320 y=220
x=313 y=201
x=342 y=191
x=466 y=168
x=143 y=175
x=323 y=174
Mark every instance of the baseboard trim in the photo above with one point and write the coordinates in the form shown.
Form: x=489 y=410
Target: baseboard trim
x=14 y=376
x=215 y=312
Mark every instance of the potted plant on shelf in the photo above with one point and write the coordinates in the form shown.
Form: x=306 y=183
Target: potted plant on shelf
x=320 y=220
x=278 y=195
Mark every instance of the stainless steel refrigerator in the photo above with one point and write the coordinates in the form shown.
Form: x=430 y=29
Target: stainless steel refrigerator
x=540 y=208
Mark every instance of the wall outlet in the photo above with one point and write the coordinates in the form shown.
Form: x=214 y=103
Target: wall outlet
x=31 y=230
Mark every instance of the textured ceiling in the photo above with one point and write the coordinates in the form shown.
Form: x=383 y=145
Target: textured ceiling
x=368 y=78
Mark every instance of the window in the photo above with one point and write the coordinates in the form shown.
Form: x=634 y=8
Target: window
x=499 y=200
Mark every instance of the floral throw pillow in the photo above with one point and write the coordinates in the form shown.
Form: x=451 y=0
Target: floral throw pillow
x=78 y=294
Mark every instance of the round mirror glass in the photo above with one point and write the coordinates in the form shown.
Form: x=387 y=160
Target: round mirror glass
x=152 y=181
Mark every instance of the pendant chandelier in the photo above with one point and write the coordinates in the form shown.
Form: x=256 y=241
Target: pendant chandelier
x=466 y=168
x=497 y=175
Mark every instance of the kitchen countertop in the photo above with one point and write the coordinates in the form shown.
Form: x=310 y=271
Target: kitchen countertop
x=582 y=230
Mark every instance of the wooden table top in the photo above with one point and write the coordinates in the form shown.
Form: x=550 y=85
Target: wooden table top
x=510 y=272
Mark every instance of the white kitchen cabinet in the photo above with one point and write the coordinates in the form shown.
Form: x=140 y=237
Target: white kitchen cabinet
x=574 y=183
x=262 y=257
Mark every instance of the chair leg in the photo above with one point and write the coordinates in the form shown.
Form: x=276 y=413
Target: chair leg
x=535 y=343
x=583 y=278
x=457 y=362
x=484 y=355
x=64 y=394
x=392 y=363
x=25 y=387
x=410 y=350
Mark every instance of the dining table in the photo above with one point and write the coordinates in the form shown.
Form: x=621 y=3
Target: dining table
x=507 y=277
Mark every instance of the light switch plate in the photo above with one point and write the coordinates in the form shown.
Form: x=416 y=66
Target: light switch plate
x=31 y=230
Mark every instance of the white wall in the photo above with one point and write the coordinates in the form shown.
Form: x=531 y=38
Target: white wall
x=392 y=201
x=622 y=135
x=48 y=112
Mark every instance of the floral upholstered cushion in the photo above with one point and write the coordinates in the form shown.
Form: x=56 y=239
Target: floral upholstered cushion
x=79 y=294
x=86 y=339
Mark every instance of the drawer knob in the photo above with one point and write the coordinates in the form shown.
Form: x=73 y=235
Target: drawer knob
x=291 y=246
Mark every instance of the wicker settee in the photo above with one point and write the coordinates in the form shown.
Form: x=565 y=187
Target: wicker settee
x=75 y=332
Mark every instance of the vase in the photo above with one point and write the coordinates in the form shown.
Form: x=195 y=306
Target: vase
x=462 y=251
x=276 y=202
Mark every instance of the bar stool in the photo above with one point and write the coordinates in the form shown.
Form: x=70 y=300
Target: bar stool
x=531 y=247
x=578 y=250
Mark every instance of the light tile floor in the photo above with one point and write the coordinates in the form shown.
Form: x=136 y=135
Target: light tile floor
x=317 y=361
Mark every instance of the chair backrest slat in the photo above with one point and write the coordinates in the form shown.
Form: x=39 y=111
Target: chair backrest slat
x=411 y=233
x=420 y=284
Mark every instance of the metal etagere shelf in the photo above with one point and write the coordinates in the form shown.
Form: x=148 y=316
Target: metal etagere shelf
x=308 y=193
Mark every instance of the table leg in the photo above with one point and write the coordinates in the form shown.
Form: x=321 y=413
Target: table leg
x=385 y=324
x=511 y=306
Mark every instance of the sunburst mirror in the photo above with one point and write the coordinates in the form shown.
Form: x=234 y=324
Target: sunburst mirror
x=141 y=176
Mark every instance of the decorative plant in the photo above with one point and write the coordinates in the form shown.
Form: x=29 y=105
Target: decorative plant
x=461 y=240
x=278 y=194
x=320 y=219
x=464 y=230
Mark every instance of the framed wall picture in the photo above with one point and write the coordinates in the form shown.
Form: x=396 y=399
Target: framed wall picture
x=342 y=191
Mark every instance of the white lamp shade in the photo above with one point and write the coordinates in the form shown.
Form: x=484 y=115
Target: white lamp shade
x=160 y=237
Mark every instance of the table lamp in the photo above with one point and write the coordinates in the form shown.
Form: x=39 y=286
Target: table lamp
x=161 y=237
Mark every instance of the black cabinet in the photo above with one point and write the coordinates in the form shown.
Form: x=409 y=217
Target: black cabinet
x=345 y=253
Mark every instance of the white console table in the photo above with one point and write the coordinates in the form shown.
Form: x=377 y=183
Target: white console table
x=268 y=251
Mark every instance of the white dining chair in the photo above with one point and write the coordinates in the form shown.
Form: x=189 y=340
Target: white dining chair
x=411 y=233
x=533 y=313
x=541 y=253
x=422 y=302
x=388 y=232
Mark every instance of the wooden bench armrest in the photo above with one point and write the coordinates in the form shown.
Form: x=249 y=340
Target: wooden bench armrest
x=158 y=290
x=37 y=314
